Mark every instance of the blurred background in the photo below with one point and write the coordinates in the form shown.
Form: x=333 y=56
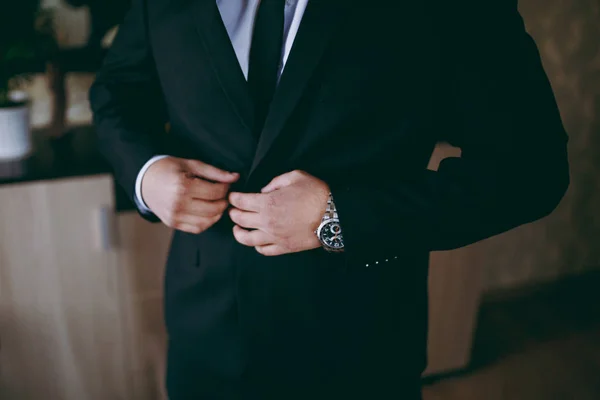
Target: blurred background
x=514 y=317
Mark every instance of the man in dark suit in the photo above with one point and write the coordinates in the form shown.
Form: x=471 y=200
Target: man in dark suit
x=295 y=174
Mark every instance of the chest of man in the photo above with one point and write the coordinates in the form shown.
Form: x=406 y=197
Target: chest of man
x=347 y=66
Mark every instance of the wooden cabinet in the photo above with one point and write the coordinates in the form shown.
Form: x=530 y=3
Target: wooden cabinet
x=142 y=250
x=455 y=287
x=80 y=295
x=61 y=335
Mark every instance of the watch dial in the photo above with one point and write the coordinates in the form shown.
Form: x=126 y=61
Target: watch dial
x=331 y=235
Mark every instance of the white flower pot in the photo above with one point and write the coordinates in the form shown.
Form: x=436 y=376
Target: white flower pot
x=15 y=132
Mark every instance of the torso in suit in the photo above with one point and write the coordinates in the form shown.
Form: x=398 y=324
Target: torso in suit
x=368 y=89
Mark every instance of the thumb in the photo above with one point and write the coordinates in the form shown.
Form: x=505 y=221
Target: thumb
x=208 y=172
x=279 y=183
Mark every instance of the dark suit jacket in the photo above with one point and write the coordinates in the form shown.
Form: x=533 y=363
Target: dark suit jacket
x=368 y=90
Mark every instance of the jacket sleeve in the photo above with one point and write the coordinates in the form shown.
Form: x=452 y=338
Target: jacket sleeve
x=127 y=102
x=499 y=109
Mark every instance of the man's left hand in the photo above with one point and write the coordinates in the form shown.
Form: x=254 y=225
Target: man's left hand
x=282 y=218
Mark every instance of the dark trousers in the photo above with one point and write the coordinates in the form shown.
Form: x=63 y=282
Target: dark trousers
x=187 y=380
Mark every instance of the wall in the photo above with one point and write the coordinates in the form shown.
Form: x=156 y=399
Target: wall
x=567 y=242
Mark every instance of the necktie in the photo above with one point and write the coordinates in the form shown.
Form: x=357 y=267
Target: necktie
x=265 y=56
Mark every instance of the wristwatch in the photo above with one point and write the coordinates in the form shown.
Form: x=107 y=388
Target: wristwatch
x=330 y=230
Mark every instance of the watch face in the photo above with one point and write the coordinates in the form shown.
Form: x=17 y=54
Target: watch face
x=331 y=235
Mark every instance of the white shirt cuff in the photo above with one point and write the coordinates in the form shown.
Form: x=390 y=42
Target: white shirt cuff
x=138 y=183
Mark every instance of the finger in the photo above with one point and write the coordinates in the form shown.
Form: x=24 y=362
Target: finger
x=211 y=173
x=252 y=238
x=195 y=220
x=187 y=228
x=246 y=219
x=247 y=201
x=194 y=224
x=197 y=188
x=271 y=250
x=206 y=209
x=279 y=182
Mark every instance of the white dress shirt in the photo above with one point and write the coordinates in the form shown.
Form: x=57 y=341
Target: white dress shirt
x=238 y=17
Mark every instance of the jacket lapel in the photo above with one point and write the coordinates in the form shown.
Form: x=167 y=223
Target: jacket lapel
x=320 y=19
x=213 y=33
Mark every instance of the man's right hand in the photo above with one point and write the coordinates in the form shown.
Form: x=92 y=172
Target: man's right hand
x=187 y=195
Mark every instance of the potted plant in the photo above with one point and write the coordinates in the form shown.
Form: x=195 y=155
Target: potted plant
x=26 y=41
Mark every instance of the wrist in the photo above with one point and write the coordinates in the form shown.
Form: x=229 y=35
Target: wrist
x=139 y=198
x=329 y=231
